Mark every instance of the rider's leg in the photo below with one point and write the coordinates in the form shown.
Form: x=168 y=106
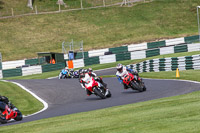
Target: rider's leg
x=88 y=92
x=125 y=86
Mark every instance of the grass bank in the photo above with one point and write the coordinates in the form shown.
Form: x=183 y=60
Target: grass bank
x=26 y=103
x=99 y=28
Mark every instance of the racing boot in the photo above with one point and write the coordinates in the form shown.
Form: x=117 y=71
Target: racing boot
x=125 y=86
x=88 y=92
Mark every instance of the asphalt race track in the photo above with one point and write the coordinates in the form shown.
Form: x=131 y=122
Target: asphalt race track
x=65 y=96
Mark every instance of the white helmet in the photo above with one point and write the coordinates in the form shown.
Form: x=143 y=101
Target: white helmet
x=119 y=67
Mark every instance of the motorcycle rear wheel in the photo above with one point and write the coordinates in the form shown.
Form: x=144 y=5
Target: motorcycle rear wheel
x=3 y=121
x=97 y=92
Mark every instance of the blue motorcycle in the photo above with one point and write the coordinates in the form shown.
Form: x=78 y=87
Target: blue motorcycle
x=63 y=74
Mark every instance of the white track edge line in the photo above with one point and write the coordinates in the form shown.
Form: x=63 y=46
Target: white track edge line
x=34 y=95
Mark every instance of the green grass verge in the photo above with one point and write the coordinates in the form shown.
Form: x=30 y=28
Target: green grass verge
x=23 y=37
x=25 y=102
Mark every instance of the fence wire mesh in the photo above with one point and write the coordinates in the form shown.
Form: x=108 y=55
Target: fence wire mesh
x=51 y=6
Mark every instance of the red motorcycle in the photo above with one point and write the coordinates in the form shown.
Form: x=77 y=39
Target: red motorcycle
x=7 y=113
x=96 y=88
x=132 y=82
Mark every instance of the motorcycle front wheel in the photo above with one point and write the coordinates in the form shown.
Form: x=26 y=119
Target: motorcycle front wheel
x=99 y=93
x=136 y=86
x=19 y=116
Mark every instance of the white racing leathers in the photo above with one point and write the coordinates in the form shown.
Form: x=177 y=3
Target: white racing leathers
x=121 y=74
x=87 y=80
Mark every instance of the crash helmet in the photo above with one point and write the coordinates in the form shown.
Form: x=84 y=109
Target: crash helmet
x=85 y=70
x=81 y=73
x=90 y=70
x=119 y=67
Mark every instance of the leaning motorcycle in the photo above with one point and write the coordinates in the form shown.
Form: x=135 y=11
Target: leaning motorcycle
x=6 y=113
x=63 y=74
x=131 y=81
x=75 y=74
x=97 y=88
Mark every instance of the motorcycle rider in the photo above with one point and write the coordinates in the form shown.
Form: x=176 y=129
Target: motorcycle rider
x=82 y=74
x=88 y=73
x=122 y=71
x=6 y=101
x=99 y=79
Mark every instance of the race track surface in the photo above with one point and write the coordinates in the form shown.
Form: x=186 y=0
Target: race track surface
x=65 y=96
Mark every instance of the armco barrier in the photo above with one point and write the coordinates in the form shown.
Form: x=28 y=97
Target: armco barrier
x=12 y=72
x=123 y=56
x=52 y=67
x=34 y=61
x=107 y=59
x=180 y=48
x=138 y=55
x=124 y=53
x=168 y=64
x=79 y=55
x=1 y=74
x=175 y=41
x=193 y=47
x=91 y=61
x=135 y=47
x=78 y=63
x=152 y=45
x=191 y=39
x=153 y=52
x=12 y=64
x=167 y=50
x=118 y=49
x=31 y=70
x=97 y=52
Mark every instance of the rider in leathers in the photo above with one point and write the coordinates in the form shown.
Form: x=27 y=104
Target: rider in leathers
x=6 y=101
x=122 y=71
x=85 y=76
x=99 y=79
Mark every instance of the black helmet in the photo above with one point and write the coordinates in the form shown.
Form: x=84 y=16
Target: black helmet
x=80 y=70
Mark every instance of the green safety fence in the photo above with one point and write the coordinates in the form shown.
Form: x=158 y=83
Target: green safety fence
x=183 y=63
x=34 y=61
x=123 y=56
x=79 y=55
x=52 y=67
x=153 y=52
x=191 y=39
x=152 y=45
x=180 y=48
x=117 y=50
x=12 y=72
x=91 y=61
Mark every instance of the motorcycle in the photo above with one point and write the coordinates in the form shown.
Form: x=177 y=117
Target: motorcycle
x=95 y=87
x=63 y=74
x=131 y=81
x=75 y=74
x=6 y=113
